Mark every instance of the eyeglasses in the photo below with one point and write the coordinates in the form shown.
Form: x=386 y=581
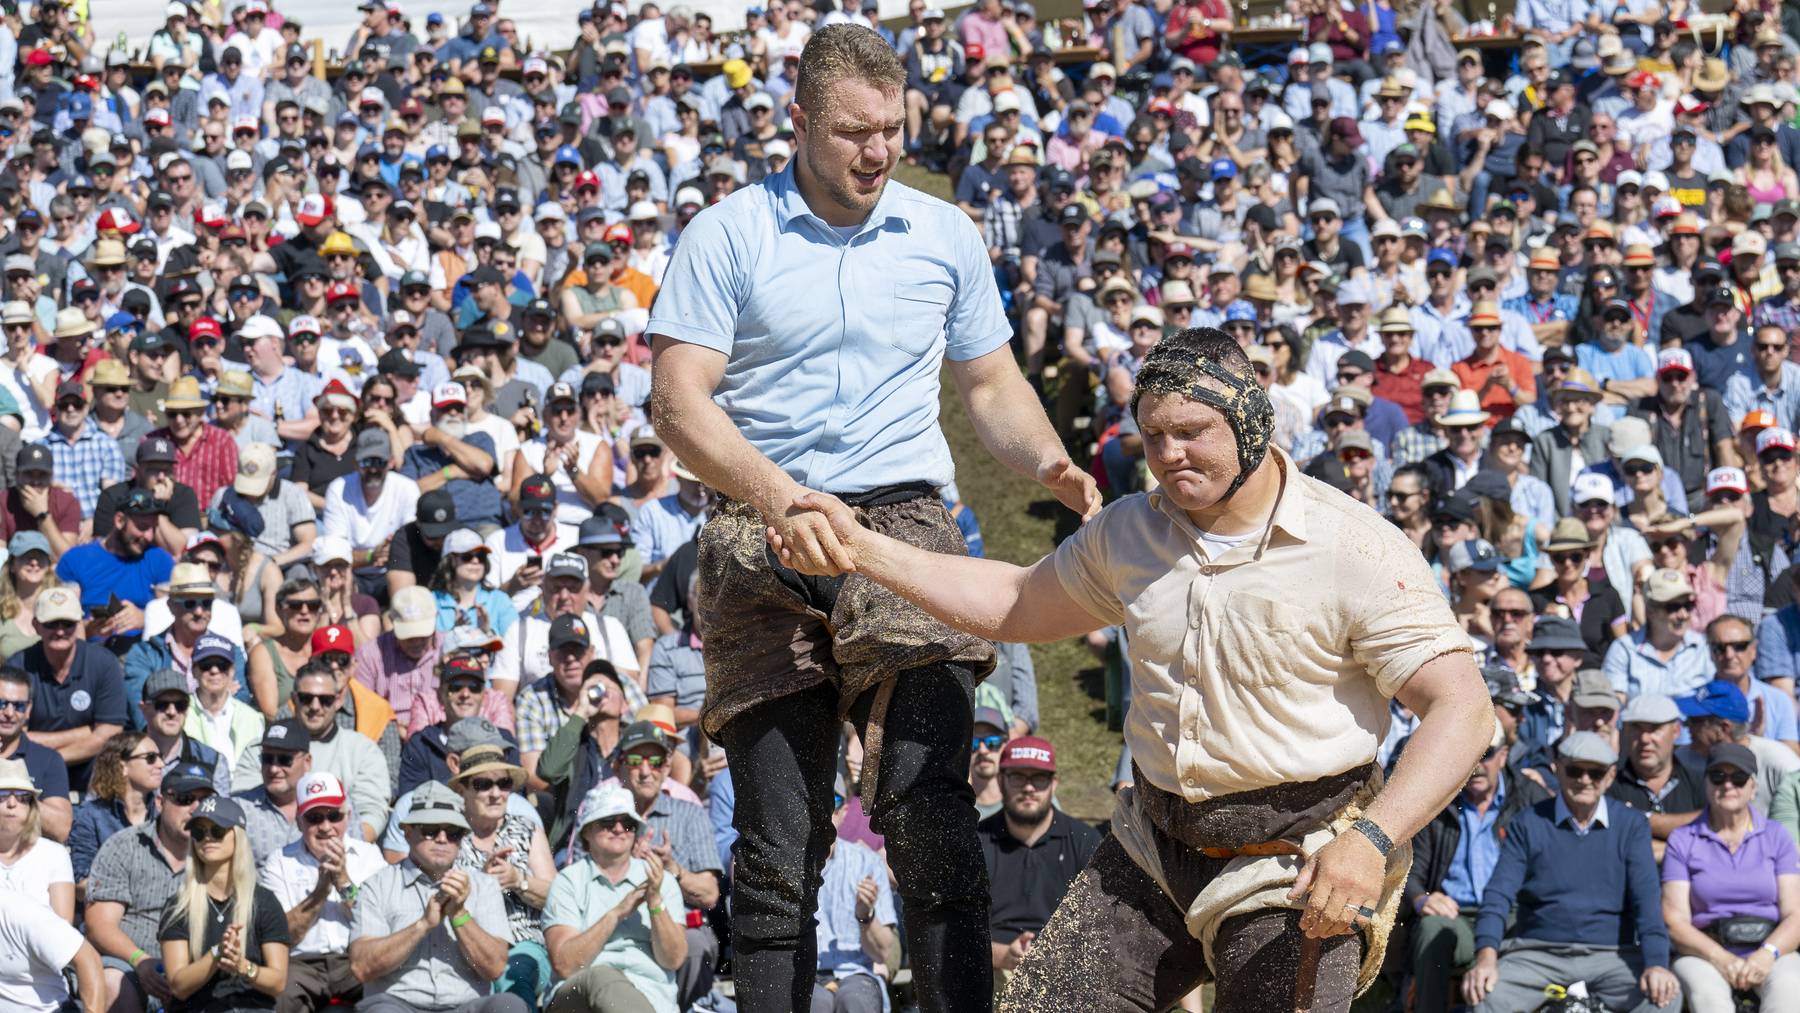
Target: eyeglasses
x=208 y=832
x=991 y=743
x=1584 y=772
x=452 y=834
x=187 y=798
x=282 y=759
x=321 y=699
x=610 y=823
x=1719 y=778
x=317 y=816
x=308 y=605
x=177 y=704
x=192 y=604
x=1731 y=646
x=1559 y=558
x=151 y=757
x=21 y=706
x=635 y=760
x=1684 y=605
x=483 y=785
x=1510 y=613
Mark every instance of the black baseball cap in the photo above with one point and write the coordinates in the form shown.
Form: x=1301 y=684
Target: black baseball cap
x=569 y=630
x=437 y=514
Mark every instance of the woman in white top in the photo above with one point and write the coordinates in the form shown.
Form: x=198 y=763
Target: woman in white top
x=31 y=866
x=578 y=463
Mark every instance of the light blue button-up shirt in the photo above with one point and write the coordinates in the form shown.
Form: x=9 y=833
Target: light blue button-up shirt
x=1633 y=667
x=835 y=344
x=581 y=894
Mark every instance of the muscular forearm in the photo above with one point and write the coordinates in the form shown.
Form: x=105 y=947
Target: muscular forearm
x=373 y=958
x=1008 y=418
x=485 y=953
x=877 y=942
x=1457 y=722
x=76 y=744
x=705 y=440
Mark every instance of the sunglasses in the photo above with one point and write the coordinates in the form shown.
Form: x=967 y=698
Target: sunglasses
x=610 y=823
x=321 y=699
x=483 y=785
x=1510 y=613
x=1639 y=468
x=1584 y=772
x=18 y=795
x=635 y=760
x=303 y=604
x=1731 y=646
x=277 y=759
x=1719 y=778
x=454 y=835
x=151 y=757
x=179 y=705
x=208 y=832
x=1560 y=558
x=20 y=706
x=990 y=743
x=192 y=604
x=188 y=798
x=1684 y=605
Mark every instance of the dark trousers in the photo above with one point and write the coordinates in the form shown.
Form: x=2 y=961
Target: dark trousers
x=784 y=753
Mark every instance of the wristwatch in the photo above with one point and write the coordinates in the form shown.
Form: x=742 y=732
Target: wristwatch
x=1378 y=837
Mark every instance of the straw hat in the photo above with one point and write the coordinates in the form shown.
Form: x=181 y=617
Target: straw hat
x=1568 y=534
x=486 y=759
x=1465 y=410
x=14 y=777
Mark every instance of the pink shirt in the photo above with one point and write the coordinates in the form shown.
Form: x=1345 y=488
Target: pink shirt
x=382 y=666
x=990 y=35
x=426 y=711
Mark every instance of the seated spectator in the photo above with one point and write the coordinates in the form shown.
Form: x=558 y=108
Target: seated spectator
x=419 y=544
x=1453 y=857
x=37 y=506
x=335 y=749
x=367 y=508
x=121 y=795
x=448 y=455
x=287 y=640
x=192 y=595
x=225 y=936
x=521 y=549
x=32 y=866
x=1778 y=637
x=44 y=765
x=28 y=570
x=165 y=706
x=546 y=705
x=270 y=808
x=512 y=849
x=1734 y=658
x=988 y=739
x=1667 y=656
x=857 y=944
x=437 y=948
x=42 y=953
x=525 y=657
x=344 y=605
x=1717 y=713
x=87 y=460
x=360 y=707
x=613 y=920
x=155 y=473
x=677 y=676
x=469 y=649
x=316 y=879
x=216 y=718
x=1587 y=906
x=468 y=735
x=398 y=664
x=1556 y=651
x=1033 y=852
x=77 y=689
x=1593 y=604
x=461 y=588
x=1650 y=779
x=1731 y=895
x=206 y=456
x=678 y=831
x=119 y=573
x=135 y=877
x=605 y=547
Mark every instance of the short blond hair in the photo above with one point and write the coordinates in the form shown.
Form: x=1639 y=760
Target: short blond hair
x=844 y=51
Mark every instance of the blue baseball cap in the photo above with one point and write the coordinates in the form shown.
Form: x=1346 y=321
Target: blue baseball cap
x=434 y=18
x=121 y=322
x=211 y=645
x=1716 y=699
x=567 y=153
x=437 y=153
x=367 y=151
x=1240 y=310
x=1440 y=255
x=81 y=106
x=1224 y=168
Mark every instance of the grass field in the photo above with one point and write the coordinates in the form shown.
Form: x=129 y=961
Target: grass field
x=1018 y=521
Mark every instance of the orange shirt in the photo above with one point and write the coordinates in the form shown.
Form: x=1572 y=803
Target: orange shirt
x=1473 y=373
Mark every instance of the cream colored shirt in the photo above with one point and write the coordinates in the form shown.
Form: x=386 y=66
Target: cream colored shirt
x=1273 y=663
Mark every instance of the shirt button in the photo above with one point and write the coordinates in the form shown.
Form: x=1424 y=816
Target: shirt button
x=1191 y=782
x=1207 y=571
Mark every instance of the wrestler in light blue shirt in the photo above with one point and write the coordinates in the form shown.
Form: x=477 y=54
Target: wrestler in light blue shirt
x=835 y=336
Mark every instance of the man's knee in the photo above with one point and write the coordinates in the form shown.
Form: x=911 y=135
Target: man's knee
x=1254 y=957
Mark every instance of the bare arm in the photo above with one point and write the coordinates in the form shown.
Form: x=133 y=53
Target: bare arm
x=985 y=597
x=55 y=817
x=1010 y=422
x=373 y=958
x=76 y=744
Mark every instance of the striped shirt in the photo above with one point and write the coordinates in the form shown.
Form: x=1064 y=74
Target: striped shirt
x=285 y=398
x=209 y=465
x=130 y=869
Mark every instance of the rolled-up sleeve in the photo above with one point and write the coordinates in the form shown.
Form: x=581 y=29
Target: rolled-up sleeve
x=1084 y=567
x=1403 y=620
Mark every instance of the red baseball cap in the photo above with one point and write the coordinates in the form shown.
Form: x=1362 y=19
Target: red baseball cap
x=116 y=220
x=617 y=232
x=205 y=327
x=587 y=179
x=333 y=638
x=314 y=208
x=338 y=291
x=1028 y=753
x=319 y=789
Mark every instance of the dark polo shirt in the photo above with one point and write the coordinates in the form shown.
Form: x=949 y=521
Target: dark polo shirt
x=1027 y=882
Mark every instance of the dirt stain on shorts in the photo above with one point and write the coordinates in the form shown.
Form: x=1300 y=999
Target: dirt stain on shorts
x=771 y=631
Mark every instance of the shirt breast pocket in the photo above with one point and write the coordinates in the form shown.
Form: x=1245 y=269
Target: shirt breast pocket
x=919 y=312
x=1259 y=636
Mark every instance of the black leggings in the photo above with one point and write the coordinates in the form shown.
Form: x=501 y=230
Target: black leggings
x=784 y=756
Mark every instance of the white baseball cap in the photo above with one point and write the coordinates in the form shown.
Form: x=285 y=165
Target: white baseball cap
x=1590 y=486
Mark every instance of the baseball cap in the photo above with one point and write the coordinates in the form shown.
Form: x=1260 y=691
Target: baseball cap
x=1774 y=438
x=333 y=639
x=319 y=789
x=435 y=805
x=1716 y=699
x=218 y=810
x=1663 y=586
x=289 y=734
x=1727 y=479
x=179 y=778
x=1028 y=753
x=569 y=631
x=414 y=612
x=1732 y=754
x=1473 y=554
x=1589 y=487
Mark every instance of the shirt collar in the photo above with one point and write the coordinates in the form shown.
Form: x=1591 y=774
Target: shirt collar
x=791 y=206
x=1563 y=815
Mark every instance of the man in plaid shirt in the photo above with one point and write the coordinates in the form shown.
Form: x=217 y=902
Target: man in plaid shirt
x=206 y=457
x=544 y=706
x=87 y=460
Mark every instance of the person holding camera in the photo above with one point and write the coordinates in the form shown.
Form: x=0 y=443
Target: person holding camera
x=1731 y=895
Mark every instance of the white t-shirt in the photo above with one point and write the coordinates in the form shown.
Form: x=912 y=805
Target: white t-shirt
x=35 y=946
x=18 y=382
x=364 y=524
x=31 y=877
x=570 y=507
x=508 y=549
x=505 y=437
x=291 y=873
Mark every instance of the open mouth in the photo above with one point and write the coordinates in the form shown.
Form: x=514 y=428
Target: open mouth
x=869 y=179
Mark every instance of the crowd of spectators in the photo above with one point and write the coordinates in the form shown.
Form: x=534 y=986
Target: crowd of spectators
x=344 y=606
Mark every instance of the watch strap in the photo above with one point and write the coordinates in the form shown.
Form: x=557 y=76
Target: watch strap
x=1378 y=837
